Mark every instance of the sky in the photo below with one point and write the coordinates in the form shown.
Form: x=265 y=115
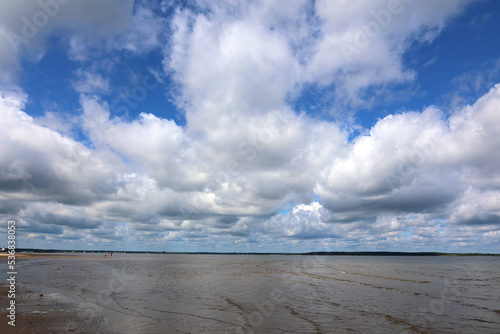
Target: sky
x=251 y=126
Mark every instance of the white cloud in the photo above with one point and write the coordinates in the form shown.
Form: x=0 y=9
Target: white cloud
x=253 y=167
x=418 y=162
x=476 y=207
x=349 y=50
x=90 y=29
x=48 y=165
x=149 y=181
x=91 y=83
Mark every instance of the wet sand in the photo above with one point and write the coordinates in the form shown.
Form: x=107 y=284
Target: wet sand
x=28 y=318
x=140 y=293
x=27 y=321
x=4 y=303
x=53 y=256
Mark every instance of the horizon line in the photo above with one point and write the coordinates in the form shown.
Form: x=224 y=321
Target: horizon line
x=382 y=253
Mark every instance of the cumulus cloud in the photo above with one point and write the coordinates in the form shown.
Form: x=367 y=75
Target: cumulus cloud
x=89 y=28
x=91 y=83
x=40 y=163
x=371 y=186
x=417 y=162
x=354 y=52
x=247 y=170
x=59 y=214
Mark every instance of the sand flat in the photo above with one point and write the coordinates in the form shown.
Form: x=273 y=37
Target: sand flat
x=53 y=256
x=29 y=322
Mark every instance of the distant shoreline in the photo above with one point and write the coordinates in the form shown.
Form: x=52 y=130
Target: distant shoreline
x=21 y=252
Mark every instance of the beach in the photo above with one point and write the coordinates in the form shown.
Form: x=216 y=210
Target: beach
x=30 y=314
x=28 y=320
x=154 y=293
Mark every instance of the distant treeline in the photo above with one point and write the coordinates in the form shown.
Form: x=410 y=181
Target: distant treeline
x=400 y=254
x=364 y=253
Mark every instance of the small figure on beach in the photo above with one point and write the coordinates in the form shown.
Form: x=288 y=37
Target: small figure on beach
x=105 y=254
x=110 y=254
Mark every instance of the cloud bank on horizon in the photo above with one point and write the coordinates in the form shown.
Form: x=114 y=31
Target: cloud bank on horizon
x=251 y=126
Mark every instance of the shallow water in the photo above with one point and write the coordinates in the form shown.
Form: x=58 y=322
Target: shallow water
x=153 y=293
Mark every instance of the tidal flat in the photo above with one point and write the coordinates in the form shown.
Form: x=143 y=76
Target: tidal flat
x=181 y=293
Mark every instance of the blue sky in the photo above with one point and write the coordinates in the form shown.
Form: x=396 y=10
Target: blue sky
x=251 y=126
